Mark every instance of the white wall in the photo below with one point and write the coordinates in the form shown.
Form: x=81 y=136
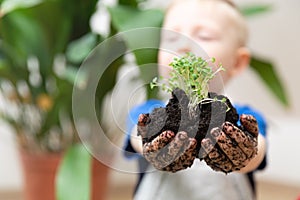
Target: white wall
x=274 y=35
x=10 y=169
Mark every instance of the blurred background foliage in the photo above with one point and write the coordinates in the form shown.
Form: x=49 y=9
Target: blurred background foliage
x=42 y=45
x=38 y=67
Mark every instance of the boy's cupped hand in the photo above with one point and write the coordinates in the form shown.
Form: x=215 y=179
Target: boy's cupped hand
x=225 y=149
x=230 y=148
x=168 y=151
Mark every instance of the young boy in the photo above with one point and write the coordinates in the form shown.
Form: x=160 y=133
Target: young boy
x=217 y=27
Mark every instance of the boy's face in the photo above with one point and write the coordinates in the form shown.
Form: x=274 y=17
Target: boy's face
x=208 y=25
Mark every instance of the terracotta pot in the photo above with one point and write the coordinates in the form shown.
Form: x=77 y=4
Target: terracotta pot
x=99 y=177
x=39 y=171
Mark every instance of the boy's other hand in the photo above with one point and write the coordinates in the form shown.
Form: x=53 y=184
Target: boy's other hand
x=169 y=151
x=230 y=148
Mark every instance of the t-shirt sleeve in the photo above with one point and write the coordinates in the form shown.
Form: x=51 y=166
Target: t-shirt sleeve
x=131 y=121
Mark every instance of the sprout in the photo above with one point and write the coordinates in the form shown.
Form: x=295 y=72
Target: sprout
x=191 y=74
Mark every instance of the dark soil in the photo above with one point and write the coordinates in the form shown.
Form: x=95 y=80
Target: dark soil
x=176 y=116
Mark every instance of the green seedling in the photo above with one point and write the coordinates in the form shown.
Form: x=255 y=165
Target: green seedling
x=191 y=74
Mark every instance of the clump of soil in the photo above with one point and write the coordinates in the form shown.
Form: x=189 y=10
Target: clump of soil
x=177 y=116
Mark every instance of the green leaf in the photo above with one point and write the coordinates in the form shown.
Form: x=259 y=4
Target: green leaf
x=79 y=13
x=56 y=27
x=79 y=49
x=6 y=73
x=11 y=5
x=71 y=74
x=23 y=37
x=267 y=73
x=74 y=175
x=125 y=18
x=252 y=10
x=132 y=3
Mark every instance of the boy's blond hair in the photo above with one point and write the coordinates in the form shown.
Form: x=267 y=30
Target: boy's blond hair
x=235 y=15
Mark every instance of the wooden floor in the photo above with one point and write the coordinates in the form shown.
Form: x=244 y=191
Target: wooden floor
x=272 y=191
x=266 y=191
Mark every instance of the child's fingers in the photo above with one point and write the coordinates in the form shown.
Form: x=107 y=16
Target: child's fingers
x=250 y=124
x=207 y=146
x=246 y=142
x=228 y=149
x=173 y=150
x=143 y=118
x=159 y=142
x=214 y=157
x=217 y=167
x=186 y=159
x=231 y=149
x=165 y=148
x=170 y=152
x=153 y=148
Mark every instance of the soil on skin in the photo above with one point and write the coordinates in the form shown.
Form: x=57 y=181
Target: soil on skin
x=176 y=117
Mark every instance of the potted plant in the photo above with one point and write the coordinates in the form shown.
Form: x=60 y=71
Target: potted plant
x=42 y=44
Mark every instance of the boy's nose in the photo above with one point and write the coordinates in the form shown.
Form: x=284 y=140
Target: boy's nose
x=187 y=46
x=183 y=50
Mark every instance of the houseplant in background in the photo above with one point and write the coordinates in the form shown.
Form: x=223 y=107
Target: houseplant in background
x=37 y=71
x=42 y=45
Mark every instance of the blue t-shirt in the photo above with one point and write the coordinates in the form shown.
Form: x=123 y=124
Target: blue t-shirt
x=149 y=105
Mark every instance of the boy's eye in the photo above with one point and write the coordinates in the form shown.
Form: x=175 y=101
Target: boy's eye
x=205 y=36
x=170 y=37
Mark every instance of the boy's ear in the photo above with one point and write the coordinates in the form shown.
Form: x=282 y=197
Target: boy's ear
x=242 y=60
